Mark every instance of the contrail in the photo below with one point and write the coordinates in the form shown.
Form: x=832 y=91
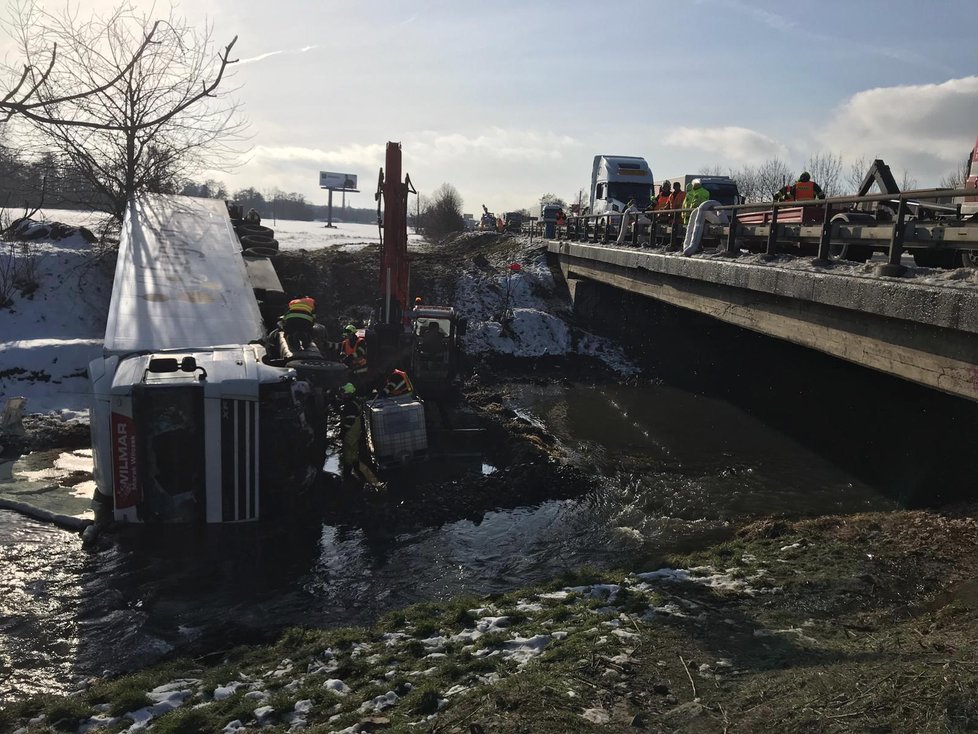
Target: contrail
x=263 y=56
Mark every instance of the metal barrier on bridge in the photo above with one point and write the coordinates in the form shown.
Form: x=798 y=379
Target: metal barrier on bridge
x=832 y=229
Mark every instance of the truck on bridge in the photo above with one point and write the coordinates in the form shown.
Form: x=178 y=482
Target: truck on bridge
x=616 y=179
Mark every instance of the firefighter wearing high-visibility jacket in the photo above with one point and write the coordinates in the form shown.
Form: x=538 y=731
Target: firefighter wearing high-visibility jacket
x=398 y=383
x=353 y=350
x=804 y=189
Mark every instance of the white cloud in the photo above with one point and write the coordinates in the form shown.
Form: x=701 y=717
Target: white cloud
x=737 y=144
x=268 y=54
x=507 y=168
x=925 y=128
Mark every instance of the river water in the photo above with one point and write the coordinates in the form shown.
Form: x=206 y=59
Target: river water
x=674 y=468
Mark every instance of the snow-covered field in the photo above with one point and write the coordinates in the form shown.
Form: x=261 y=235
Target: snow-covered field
x=48 y=337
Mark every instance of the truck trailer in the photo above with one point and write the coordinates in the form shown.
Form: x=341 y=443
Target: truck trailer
x=189 y=424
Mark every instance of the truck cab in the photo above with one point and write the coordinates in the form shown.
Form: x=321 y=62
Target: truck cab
x=616 y=179
x=721 y=188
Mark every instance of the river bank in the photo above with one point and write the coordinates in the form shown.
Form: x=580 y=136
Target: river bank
x=863 y=622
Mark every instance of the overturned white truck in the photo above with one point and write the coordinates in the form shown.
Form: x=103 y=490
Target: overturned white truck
x=189 y=424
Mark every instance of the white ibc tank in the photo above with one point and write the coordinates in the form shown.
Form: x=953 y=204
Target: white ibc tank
x=397 y=430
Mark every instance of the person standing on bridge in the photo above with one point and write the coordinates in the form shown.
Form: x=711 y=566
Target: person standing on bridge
x=696 y=195
x=804 y=189
x=677 y=196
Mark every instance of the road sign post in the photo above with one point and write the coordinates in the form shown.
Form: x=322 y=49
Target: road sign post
x=336 y=182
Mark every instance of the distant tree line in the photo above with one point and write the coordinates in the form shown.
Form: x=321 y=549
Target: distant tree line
x=54 y=181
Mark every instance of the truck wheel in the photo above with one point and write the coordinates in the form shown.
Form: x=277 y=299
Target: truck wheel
x=852 y=253
x=255 y=229
x=937 y=258
x=969 y=258
x=261 y=252
x=254 y=240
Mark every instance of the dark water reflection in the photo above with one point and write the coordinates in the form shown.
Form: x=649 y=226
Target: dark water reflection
x=674 y=469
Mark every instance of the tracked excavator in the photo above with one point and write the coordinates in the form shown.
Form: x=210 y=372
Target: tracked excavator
x=421 y=339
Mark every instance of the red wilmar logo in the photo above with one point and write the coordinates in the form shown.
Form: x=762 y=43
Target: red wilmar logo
x=124 y=460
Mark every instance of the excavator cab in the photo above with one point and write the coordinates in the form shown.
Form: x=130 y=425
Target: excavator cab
x=435 y=355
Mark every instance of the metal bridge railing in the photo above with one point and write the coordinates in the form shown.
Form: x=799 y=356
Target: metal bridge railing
x=931 y=232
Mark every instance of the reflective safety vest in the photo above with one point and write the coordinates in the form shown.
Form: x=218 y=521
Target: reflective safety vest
x=662 y=201
x=398 y=384
x=356 y=351
x=676 y=199
x=802 y=191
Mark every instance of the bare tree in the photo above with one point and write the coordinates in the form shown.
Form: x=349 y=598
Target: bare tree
x=156 y=121
x=955 y=179
x=24 y=96
x=772 y=175
x=855 y=173
x=749 y=184
x=826 y=170
x=714 y=170
x=907 y=182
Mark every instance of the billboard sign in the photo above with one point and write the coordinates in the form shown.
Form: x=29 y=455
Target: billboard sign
x=338 y=181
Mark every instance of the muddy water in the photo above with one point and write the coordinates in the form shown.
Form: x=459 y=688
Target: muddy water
x=674 y=469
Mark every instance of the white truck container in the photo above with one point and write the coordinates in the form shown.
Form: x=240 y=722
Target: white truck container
x=615 y=179
x=188 y=423
x=396 y=430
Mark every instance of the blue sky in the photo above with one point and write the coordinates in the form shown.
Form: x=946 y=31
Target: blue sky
x=509 y=100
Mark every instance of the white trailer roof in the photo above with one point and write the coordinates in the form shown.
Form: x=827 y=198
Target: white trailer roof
x=180 y=280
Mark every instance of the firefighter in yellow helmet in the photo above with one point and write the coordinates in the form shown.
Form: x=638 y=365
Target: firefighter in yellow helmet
x=696 y=194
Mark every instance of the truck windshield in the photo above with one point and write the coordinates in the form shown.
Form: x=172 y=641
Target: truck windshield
x=170 y=424
x=642 y=193
x=724 y=193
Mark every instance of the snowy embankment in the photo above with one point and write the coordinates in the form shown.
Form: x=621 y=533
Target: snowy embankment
x=48 y=335
x=513 y=308
x=52 y=328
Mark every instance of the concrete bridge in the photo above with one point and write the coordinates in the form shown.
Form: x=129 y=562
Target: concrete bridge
x=924 y=333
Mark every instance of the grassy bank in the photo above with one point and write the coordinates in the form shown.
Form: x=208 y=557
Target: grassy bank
x=858 y=623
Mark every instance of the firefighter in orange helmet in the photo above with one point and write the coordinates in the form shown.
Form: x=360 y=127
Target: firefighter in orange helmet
x=804 y=189
x=398 y=383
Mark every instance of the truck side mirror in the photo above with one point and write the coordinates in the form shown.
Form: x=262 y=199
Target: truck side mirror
x=460 y=326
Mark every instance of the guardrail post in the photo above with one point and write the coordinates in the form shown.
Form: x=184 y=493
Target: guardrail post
x=772 y=236
x=825 y=239
x=672 y=232
x=731 y=248
x=636 y=228
x=604 y=230
x=893 y=266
